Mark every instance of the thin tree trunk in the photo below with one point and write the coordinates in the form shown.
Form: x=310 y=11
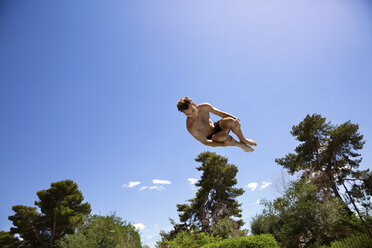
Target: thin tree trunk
x=203 y=215
x=334 y=186
x=337 y=194
x=357 y=210
x=38 y=238
x=53 y=231
x=329 y=178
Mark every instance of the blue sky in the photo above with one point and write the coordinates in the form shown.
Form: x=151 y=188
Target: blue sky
x=88 y=92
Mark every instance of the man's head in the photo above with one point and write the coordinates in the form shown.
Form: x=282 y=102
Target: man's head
x=188 y=107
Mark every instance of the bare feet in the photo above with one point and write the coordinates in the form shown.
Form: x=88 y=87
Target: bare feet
x=250 y=142
x=247 y=148
x=231 y=142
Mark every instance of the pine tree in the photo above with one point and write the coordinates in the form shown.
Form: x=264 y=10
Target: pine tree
x=328 y=157
x=216 y=198
x=61 y=209
x=8 y=240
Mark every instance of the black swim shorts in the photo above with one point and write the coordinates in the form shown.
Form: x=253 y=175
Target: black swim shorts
x=216 y=129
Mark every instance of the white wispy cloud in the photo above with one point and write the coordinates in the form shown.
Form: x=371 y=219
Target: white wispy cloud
x=149 y=236
x=252 y=186
x=131 y=184
x=192 y=180
x=139 y=226
x=265 y=184
x=159 y=188
x=158 y=181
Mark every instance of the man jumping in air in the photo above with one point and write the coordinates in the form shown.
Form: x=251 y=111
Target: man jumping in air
x=209 y=133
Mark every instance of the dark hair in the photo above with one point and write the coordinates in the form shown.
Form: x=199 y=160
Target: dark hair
x=184 y=103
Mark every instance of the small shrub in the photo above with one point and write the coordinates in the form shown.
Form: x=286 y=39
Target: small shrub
x=254 y=241
x=189 y=239
x=355 y=241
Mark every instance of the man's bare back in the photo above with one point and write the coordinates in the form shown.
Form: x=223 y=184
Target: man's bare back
x=213 y=134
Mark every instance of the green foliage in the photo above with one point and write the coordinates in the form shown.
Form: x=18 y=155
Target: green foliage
x=255 y=241
x=61 y=209
x=361 y=190
x=190 y=239
x=227 y=229
x=223 y=229
x=215 y=199
x=7 y=240
x=27 y=222
x=267 y=222
x=166 y=236
x=328 y=157
x=327 y=154
x=299 y=218
x=355 y=241
x=103 y=231
x=214 y=210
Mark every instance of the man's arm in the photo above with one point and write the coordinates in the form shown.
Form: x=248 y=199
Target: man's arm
x=216 y=111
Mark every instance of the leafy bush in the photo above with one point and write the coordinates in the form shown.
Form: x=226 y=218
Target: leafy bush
x=227 y=228
x=355 y=241
x=299 y=218
x=102 y=231
x=254 y=241
x=189 y=239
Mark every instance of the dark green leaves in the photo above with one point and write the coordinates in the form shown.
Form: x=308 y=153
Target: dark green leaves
x=102 y=231
x=61 y=209
x=215 y=199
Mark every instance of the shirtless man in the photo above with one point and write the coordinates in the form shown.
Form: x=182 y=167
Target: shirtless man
x=209 y=133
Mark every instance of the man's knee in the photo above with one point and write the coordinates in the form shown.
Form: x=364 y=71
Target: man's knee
x=235 y=123
x=230 y=122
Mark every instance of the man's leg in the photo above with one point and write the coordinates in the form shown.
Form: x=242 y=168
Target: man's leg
x=232 y=124
x=228 y=140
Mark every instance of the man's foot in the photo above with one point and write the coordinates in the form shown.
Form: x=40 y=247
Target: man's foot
x=249 y=142
x=252 y=142
x=247 y=148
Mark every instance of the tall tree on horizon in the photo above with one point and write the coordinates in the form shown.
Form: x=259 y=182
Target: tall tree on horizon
x=216 y=198
x=61 y=209
x=328 y=157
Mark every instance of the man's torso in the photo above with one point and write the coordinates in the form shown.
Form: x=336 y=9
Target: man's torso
x=201 y=127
